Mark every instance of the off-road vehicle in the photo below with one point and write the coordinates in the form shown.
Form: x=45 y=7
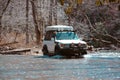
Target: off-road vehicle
x=63 y=40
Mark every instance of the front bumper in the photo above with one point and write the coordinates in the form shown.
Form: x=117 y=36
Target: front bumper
x=72 y=51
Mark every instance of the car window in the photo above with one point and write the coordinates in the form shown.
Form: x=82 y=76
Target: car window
x=66 y=36
x=49 y=35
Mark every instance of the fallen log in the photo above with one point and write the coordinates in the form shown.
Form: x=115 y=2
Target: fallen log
x=111 y=39
x=16 y=51
x=105 y=37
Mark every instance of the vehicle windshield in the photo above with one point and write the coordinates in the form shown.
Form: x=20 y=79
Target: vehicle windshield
x=66 y=36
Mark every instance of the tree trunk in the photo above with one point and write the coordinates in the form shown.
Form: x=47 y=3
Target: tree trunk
x=55 y=12
x=0 y=24
x=69 y=20
x=27 y=29
x=40 y=21
x=50 y=12
x=34 y=12
x=0 y=28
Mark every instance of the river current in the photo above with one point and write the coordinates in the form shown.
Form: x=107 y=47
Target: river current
x=103 y=65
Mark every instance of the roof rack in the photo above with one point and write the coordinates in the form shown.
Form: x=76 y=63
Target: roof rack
x=59 y=28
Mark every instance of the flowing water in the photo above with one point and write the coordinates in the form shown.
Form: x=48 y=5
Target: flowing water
x=103 y=65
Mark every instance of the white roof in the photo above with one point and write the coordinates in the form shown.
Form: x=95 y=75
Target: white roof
x=59 y=27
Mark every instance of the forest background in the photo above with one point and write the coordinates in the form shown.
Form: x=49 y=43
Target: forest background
x=22 y=22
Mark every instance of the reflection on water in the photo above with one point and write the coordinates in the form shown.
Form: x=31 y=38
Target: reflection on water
x=95 y=66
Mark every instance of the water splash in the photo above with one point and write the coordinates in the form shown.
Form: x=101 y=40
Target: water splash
x=103 y=54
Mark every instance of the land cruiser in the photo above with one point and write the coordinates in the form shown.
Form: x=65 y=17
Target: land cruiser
x=63 y=40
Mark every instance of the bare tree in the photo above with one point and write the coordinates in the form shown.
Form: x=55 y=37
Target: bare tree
x=4 y=4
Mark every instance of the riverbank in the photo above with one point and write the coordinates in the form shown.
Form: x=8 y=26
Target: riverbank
x=38 y=51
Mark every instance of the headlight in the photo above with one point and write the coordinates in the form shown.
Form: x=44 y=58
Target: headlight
x=62 y=45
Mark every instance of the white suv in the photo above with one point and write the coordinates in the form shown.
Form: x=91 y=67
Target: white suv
x=63 y=40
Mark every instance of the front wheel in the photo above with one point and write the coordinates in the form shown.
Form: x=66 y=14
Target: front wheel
x=45 y=50
x=57 y=49
x=83 y=51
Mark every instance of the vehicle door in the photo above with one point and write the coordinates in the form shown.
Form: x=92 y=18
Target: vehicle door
x=49 y=41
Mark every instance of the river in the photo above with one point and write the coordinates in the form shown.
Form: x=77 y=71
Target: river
x=103 y=65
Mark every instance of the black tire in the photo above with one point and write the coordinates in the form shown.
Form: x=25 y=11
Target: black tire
x=57 y=49
x=45 y=50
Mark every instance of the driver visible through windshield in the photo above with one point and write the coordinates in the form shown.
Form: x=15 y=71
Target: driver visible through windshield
x=66 y=36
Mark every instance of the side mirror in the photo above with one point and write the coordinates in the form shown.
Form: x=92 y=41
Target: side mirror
x=42 y=39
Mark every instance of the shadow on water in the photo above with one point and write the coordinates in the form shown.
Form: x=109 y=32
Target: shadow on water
x=58 y=57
